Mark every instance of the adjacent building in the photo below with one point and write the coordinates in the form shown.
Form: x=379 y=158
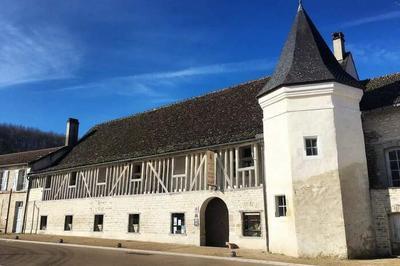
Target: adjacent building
x=14 y=169
x=304 y=163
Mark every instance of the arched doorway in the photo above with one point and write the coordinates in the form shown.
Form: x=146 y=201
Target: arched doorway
x=216 y=223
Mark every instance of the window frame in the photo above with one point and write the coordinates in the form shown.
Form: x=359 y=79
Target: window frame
x=65 y=222
x=2 y=178
x=24 y=180
x=105 y=176
x=389 y=168
x=317 y=147
x=94 y=223
x=136 y=175
x=174 y=159
x=45 y=182
x=278 y=206
x=138 y=224
x=240 y=158
x=247 y=214
x=75 y=174
x=183 y=225
x=40 y=222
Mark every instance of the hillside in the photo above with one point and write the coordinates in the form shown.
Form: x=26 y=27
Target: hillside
x=18 y=138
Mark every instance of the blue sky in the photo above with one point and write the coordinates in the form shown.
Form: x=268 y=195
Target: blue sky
x=104 y=59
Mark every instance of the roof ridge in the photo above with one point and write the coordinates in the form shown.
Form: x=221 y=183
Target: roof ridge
x=177 y=102
x=383 y=76
x=31 y=151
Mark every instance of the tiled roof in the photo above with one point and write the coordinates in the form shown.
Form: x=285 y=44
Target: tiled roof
x=24 y=157
x=225 y=116
x=306 y=58
x=381 y=92
x=217 y=118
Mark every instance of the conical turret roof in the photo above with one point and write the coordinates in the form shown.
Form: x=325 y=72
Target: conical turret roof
x=306 y=58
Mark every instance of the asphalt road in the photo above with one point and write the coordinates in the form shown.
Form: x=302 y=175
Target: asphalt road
x=20 y=253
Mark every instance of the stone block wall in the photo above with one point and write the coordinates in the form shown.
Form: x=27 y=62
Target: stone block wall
x=155 y=215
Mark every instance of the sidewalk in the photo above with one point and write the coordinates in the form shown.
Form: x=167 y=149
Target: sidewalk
x=187 y=249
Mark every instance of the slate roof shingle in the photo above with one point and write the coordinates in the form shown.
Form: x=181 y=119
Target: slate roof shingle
x=229 y=115
x=24 y=157
x=381 y=92
x=306 y=58
x=221 y=117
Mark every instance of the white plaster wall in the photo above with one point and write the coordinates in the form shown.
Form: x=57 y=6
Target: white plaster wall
x=353 y=173
x=315 y=225
x=155 y=215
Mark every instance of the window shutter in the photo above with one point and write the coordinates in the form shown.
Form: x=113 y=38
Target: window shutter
x=5 y=179
x=15 y=181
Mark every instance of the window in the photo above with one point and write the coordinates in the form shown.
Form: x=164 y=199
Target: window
x=311 y=146
x=133 y=223
x=137 y=171
x=101 y=178
x=48 y=182
x=246 y=157
x=21 y=180
x=393 y=157
x=68 y=223
x=281 y=207
x=178 y=223
x=43 y=223
x=72 y=179
x=98 y=223
x=2 y=180
x=179 y=165
x=251 y=222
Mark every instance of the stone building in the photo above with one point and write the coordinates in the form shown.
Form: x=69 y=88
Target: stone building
x=14 y=169
x=304 y=163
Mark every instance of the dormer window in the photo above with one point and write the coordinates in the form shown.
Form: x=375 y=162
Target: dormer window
x=393 y=159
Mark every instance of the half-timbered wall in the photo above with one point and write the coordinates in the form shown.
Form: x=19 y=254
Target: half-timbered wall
x=221 y=170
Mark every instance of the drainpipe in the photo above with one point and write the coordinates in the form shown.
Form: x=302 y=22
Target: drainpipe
x=26 y=204
x=8 y=211
x=265 y=213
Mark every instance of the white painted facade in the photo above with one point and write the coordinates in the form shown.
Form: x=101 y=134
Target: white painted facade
x=328 y=206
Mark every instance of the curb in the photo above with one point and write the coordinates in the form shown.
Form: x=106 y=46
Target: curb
x=254 y=261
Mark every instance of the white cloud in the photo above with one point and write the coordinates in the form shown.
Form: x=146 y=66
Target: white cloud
x=152 y=84
x=381 y=17
x=374 y=54
x=35 y=54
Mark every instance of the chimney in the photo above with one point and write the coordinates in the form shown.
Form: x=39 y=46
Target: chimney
x=338 y=45
x=71 y=137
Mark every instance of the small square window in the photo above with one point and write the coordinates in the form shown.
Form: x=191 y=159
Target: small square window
x=311 y=146
x=48 y=182
x=137 y=171
x=251 y=222
x=246 y=157
x=101 y=177
x=178 y=223
x=179 y=165
x=98 y=223
x=68 y=223
x=72 y=179
x=43 y=223
x=133 y=223
x=281 y=206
